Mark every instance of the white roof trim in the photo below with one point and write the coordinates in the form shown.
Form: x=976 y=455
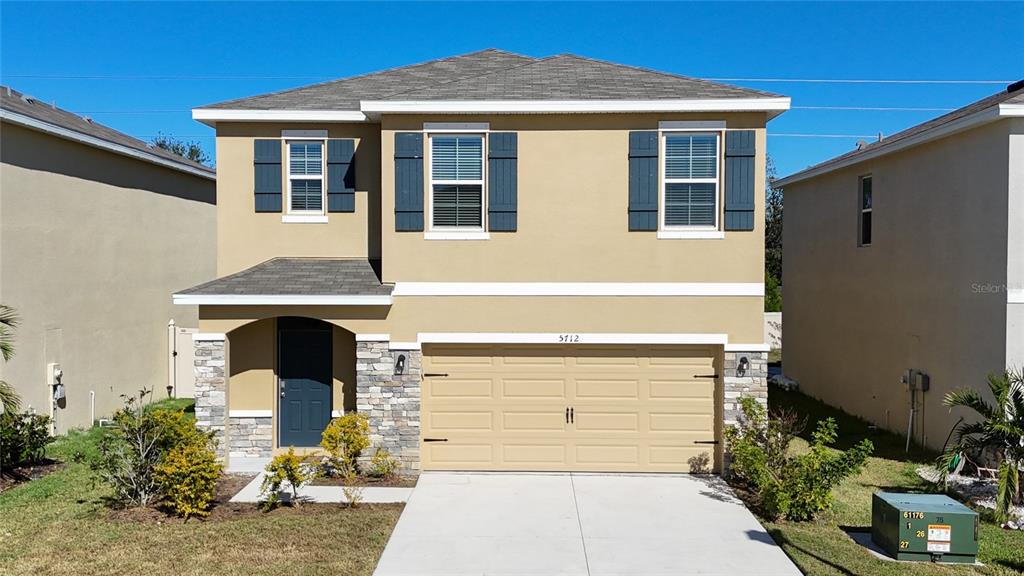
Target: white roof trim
x=210 y=116
x=250 y=413
x=70 y=134
x=748 y=348
x=373 y=337
x=576 y=106
x=578 y=289
x=567 y=338
x=979 y=118
x=1011 y=109
x=281 y=299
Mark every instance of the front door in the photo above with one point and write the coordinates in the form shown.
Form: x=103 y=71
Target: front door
x=305 y=381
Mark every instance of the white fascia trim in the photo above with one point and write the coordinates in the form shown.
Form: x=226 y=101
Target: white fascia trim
x=1015 y=296
x=76 y=136
x=337 y=413
x=567 y=338
x=575 y=106
x=456 y=236
x=959 y=125
x=748 y=348
x=303 y=219
x=250 y=413
x=578 y=289
x=209 y=337
x=1011 y=109
x=373 y=337
x=691 y=234
x=210 y=116
x=280 y=299
x=404 y=346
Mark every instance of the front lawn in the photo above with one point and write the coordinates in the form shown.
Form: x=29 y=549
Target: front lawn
x=60 y=524
x=821 y=547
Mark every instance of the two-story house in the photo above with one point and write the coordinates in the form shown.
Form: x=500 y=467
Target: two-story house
x=507 y=263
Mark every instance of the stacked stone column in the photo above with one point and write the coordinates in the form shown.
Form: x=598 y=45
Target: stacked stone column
x=211 y=387
x=391 y=401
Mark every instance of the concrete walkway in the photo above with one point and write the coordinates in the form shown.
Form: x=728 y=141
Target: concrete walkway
x=578 y=524
x=325 y=494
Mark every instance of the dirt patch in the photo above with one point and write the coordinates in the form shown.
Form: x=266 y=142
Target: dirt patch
x=397 y=481
x=227 y=486
x=20 y=475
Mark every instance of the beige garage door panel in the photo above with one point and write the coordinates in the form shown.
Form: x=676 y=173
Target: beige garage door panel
x=634 y=408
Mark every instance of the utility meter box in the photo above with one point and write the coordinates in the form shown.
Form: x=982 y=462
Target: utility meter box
x=928 y=527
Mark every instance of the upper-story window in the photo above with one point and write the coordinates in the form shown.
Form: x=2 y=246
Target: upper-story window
x=305 y=176
x=689 y=198
x=457 y=181
x=864 y=234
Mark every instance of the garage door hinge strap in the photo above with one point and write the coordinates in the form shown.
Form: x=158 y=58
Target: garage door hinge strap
x=435 y=375
x=705 y=441
x=706 y=376
x=435 y=439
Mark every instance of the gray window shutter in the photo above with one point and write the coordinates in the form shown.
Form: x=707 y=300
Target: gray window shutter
x=502 y=181
x=408 y=181
x=739 y=180
x=341 y=175
x=643 y=180
x=267 y=175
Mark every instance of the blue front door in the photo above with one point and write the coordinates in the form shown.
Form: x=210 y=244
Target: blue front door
x=305 y=381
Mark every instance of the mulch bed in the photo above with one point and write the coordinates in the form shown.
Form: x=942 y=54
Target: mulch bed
x=13 y=477
x=397 y=481
x=227 y=486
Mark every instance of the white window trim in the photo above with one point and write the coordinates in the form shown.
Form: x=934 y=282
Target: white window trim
x=863 y=210
x=303 y=218
x=663 y=133
x=673 y=234
x=322 y=177
x=453 y=232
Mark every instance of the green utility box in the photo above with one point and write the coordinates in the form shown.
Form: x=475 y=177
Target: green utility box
x=929 y=527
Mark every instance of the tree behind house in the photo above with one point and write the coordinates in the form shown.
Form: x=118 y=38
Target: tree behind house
x=772 y=241
x=190 y=150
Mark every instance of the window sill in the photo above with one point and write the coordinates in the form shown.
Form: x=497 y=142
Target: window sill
x=304 y=219
x=691 y=235
x=456 y=236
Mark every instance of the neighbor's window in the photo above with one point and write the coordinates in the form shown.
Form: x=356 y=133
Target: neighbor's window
x=865 y=211
x=457 y=181
x=690 y=183
x=306 y=176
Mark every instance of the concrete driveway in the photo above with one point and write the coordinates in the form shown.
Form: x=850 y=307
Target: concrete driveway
x=586 y=524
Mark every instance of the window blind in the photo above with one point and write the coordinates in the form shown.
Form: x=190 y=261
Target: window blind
x=305 y=158
x=457 y=157
x=457 y=181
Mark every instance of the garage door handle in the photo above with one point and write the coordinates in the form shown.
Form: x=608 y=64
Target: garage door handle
x=572 y=415
x=435 y=375
x=706 y=376
x=567 y=415
x=435 y=439
x=705 y=441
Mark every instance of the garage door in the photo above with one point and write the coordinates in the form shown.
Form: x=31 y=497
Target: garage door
x=577 y=408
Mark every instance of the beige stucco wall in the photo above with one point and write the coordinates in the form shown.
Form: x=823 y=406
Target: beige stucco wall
x=246 y=238
x=92 y=245
x=858 y=317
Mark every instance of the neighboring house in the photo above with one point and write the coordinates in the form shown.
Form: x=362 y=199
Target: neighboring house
x=96 y=229
x=506 y=263
x=908 y=253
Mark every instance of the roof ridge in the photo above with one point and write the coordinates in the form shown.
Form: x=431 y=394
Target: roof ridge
x=662 y=73
x=475 y=76
x=367 y=74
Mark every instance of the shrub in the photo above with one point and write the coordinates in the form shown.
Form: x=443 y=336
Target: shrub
x=288 y=467
x=187 y=478
x=23 y=438
x=383 y=465
x=353 y=494
x=344 y=439
x=793 y=487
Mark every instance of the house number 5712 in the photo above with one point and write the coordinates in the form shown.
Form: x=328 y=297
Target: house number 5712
x=569 y=338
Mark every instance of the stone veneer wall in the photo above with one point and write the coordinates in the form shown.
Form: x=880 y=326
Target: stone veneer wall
x=753 y=382
x=391 y=402
x=250 y=437
x=211 y=388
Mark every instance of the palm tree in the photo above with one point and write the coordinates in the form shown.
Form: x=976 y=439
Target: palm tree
x=999 y=432
x=9 y=398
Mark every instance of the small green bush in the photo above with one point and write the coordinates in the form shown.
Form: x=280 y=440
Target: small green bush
x=187 y=478
x=793 y=487
x=383 y=465
x=23 y=438
x=344 y=439
x=288 y=467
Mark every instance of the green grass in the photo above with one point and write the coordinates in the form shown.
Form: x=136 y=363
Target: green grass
x=822 y=547
x=186 y=404
x=59 y=525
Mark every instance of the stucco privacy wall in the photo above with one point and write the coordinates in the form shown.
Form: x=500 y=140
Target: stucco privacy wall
x=92 y=245
x=858 y=317
x=246 y=238
x=1015 y=248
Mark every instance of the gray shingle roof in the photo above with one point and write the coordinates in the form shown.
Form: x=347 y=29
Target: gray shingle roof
x=1008 y=96
x=570 y=77
x=496 y=75
x=345 y=94
x=299 y=277
x=17 y=102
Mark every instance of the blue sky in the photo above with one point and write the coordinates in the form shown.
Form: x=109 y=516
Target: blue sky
x=166 y=58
